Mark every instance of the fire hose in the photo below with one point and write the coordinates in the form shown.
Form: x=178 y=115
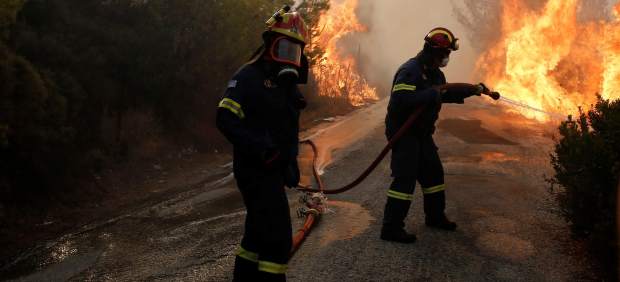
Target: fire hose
x=316 y=201
x=313 y=214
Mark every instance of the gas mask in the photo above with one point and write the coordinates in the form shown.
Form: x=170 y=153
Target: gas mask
x=293 y=65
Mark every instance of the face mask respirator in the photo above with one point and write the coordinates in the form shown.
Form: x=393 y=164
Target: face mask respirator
x=289 y=55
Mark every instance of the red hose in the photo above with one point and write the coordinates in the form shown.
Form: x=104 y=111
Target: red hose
x=412 y=118
x=303 y=232
x=313 y=217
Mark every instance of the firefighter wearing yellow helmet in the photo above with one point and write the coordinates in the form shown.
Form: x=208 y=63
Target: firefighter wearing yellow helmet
x=419 y=83
x=259 y=115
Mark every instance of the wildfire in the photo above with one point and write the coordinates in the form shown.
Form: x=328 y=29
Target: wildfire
x=552 y=61
x=336 y=72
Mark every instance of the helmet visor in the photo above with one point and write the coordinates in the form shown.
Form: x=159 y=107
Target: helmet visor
x=286 y=51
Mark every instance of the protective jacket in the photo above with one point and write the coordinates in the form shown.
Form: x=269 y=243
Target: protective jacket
x=414 y=86
x=261 y=119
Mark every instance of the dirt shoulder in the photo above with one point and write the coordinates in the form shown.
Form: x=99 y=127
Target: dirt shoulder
x=117 y=191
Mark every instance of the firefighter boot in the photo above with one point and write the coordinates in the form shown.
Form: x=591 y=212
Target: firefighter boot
x=434 y=206
x=393 y=221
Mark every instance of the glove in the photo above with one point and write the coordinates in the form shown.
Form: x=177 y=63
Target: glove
x=291 y=175
x=483 y=89
x=486 y=91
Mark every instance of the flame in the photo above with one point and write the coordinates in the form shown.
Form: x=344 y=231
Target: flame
x=336 y=73
x=611 y=53
x=550 y=60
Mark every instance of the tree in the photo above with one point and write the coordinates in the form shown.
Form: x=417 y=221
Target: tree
x=8 y=12
x=74 y=72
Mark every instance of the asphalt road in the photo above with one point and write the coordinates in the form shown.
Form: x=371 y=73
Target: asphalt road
x=509 y=227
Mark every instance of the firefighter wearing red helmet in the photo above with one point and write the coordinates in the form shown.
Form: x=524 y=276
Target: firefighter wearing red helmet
x=259 y=115
x=419 y=83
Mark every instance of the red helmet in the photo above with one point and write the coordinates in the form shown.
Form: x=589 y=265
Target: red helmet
x=442 y=38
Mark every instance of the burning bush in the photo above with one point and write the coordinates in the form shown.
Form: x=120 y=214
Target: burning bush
x=553 y=55
x=587 y=166
x=335 y=68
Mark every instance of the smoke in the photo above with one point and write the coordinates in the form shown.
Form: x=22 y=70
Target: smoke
x=296 y=4
x=481 y=20
x=396 y=31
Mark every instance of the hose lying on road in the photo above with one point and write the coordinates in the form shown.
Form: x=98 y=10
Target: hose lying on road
x=312 y=214
x=317 y=203
x=412 y=118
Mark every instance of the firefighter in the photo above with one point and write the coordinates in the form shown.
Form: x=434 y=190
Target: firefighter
x=259 y=115
x=419 y=83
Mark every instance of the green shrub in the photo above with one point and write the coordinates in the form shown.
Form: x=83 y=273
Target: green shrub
x=587 y=167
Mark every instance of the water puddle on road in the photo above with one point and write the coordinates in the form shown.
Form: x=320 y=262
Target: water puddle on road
x=58 y=260
x=472 y=132
x=505 y=246
x=498 y=238
x=346 y=221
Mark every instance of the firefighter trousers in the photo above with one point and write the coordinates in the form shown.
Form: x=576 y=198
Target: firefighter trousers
x=414 y=159
x=264 y=250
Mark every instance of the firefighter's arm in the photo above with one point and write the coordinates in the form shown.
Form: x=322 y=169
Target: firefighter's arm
x=292 y=175
x=230 y=121
x=458 y=92
x=406 y=93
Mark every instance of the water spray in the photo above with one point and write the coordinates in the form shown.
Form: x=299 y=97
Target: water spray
x=497 y=96
x=526 y=106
